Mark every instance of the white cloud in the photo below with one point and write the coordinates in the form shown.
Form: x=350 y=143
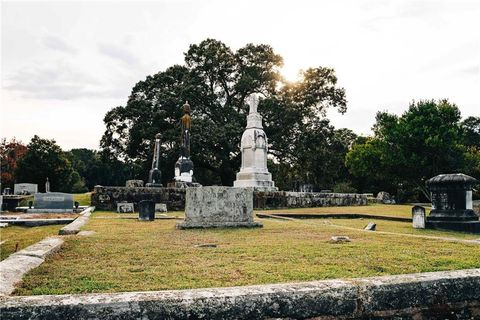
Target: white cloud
x=79 y=59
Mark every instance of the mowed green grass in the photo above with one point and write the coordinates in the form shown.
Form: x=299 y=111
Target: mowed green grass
x=399 y=210
x=84 y=199
x=17 y=237
x=129 y=255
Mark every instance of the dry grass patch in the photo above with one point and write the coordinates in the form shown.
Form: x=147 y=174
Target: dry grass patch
x=395 y=210
x=17 y=237
x=128 y=255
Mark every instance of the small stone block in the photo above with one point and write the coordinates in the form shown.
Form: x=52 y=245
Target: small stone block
x=218 y=207
x=371 y=226
x=160 y=207
x=340 y=239
x=125 y=207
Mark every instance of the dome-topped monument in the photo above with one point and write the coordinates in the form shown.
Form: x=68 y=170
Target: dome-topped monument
x=254 y=148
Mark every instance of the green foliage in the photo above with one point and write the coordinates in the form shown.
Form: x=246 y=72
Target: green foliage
x=216 y=81
x=10 y=153
x=344 y=187
x=428 y=139
x=45 y=159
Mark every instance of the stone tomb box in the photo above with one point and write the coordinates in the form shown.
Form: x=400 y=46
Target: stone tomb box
x=55 y=201
x=207 y=207
x=452 y=206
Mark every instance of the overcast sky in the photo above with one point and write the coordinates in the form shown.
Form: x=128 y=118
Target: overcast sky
x=65 y=64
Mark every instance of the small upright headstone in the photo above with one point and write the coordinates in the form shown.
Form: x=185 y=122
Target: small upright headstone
x=371 y=226
x=160 y=207
x=418 y=217
x=146 y=210
x=25 y=188
x=125 y=207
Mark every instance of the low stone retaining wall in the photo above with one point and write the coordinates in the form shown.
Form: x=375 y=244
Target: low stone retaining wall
x=332 y=215
x=106 y=198
x=74 y=227
x=435 y=295
x=17 y=264
x=288 y=199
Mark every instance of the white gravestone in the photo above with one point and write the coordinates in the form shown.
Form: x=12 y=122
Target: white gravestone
x=160 y=207
x=418 y=217
x=125 y=207
x=254 y=147
x=25 y=188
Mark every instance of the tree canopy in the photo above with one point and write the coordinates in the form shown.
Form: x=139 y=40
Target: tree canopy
x=216 y=81
x=45 y=159
x=405 y=151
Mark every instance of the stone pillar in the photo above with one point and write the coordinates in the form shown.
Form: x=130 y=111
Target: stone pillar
x=254 y=147
x=155 y=175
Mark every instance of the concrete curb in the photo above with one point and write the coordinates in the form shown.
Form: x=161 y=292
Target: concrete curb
x=418 y=296
x=13 y=268
x=74 y=227
x=38 y=222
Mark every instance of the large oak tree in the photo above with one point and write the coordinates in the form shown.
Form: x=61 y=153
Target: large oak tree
x=216 y=81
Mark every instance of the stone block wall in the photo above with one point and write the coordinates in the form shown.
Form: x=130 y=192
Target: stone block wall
x=106 y=198
x=287 y=199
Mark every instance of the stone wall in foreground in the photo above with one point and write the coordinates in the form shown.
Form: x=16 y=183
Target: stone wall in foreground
x=106 y=198
x=434 y=295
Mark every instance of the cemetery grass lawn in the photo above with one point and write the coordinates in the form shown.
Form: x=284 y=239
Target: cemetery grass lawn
x=129 y=255
x=395 y=210
x=82 y=198
x=24 y=236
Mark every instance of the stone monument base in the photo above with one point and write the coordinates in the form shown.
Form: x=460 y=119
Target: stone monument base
x=183 y=184
x=218 y=207
x=463 y=226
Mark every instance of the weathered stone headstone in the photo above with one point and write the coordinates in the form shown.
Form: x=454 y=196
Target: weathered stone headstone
x=134 y=184
x=125 y=207
x=207 y=207
x=385 y=197
x=418 y=217
x=146 y=210
x=160 y=207
x=53 y=200
x=25 y=188
x=371 y=226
